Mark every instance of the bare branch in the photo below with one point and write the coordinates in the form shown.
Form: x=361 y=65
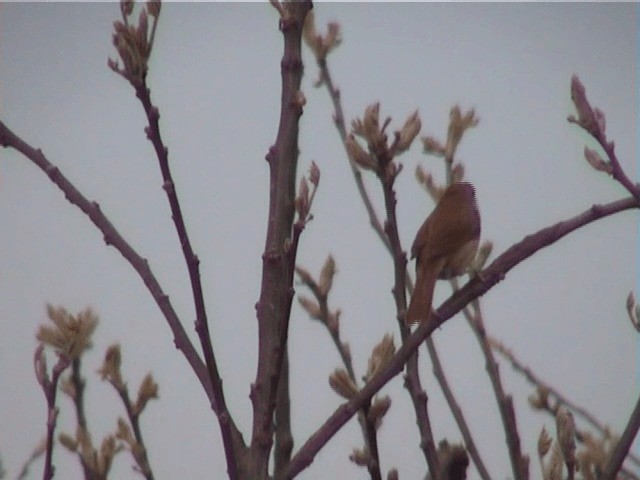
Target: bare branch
x=560 y=399
x=519 y=462
x=113 y=238
x=621 y=450
x=274 y=305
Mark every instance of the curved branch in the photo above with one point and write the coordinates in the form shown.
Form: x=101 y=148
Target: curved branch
x=478 y=286
x=113 y=238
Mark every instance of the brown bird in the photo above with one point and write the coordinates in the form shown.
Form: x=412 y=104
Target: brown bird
x=445 y=246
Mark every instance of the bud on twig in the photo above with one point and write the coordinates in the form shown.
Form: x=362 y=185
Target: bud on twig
x=378 y=410
x=302 y=200
x=342 y=384
x=148 y=390
x=326 y=275
x=586 y=118
x=409 y=131
x=458 y=124
x=633 y=310
x=544 y=443
x=314 y=174
x=432 y=146
x=361 y=457
x=565 y=432
x=311 y=307
x=358 y=155
x=380 y=356
x=596 y=161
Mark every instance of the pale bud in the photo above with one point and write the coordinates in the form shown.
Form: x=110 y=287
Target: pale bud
x=305 y=276
x=123 y=432
x=110 y=369
x=540 y=399
x=311 y=307
x=148 y=390
x=380 y=356
x=393 y=474
x=596 y=161
x=302 y=200
x=361 y=457
x=40 y=366
x=342 y=384
x=544 y=442
x=143 y=27
x=68 y=442
x=326 y=275
x=378 y=410
x=108 y=450
x=409 y=131
x=314 y=173
x=433 y=146
x=553 y=470
x=586 y=117
x=458 y=124
x=426 y=179
x=566 y=431
x=371 y=122
x=358 y=155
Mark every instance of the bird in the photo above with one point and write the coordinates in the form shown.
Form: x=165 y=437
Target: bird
x=445 y=246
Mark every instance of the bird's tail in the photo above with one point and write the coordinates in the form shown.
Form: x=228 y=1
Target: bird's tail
x=420 y=305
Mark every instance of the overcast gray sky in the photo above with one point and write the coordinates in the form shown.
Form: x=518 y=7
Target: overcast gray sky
x=215 y=77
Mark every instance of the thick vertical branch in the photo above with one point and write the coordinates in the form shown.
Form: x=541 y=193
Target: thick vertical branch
x=278 y=258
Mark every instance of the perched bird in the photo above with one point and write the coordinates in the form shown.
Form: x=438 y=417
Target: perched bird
x=445 y=246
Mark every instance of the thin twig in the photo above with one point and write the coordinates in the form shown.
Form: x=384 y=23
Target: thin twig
x=193 y=265
x=369 y=431
x=560 y=399
x=78 y=402
x=456 y=411
x=476 y=287
x=50 y=388
x=519 y=462
x=390 y=238
x=134 y=420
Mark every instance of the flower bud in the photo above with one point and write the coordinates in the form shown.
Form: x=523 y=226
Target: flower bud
x=358 y=155
x=342 y=384
x=408 y=133
x=596 y=161
x=566 y=431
